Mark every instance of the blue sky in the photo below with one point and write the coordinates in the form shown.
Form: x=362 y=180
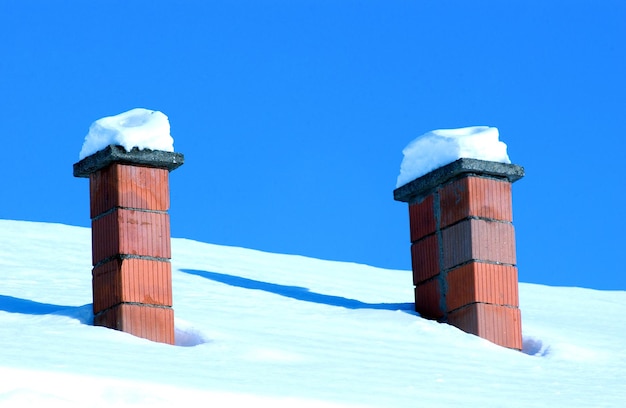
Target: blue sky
x=292 y=116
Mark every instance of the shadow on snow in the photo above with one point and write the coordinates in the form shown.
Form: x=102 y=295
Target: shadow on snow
x=297 y=292
x=12 y=304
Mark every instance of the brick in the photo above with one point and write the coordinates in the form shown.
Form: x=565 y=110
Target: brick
x=101 y=192
x=478 y=240
x=152 y=323
x=425 y=259
x=484 y=283
x=428 y=299
x=120 y=185
x=106 y=286
x=132 y=280
x=422 y=218
x=476 y=197
x=131 y=232
x=499 y=324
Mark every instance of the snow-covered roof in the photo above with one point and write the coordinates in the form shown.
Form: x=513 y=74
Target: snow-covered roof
x=283 y=330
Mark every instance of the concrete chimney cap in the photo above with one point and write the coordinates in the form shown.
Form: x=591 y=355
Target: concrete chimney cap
x=422 y=186
x=118 y=154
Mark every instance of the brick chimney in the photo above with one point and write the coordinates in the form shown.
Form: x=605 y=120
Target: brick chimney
x=463 y=248
x=130 y=227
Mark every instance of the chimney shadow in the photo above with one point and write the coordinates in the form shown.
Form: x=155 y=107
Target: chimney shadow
x=298 y=293
x=12 y=304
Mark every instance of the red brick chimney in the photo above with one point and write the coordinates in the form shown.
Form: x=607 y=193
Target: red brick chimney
x=130 y=227
x=463 y=248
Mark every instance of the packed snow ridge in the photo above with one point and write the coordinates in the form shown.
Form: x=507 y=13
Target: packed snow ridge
x=440 y=147
x=139 y=127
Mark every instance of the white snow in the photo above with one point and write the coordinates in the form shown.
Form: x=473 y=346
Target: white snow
x=281 y=330
x=440 y=147
x=139 y=127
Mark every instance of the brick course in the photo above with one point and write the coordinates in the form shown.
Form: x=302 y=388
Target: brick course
x=131 y=232
x=499 y=324
x=475 y=197
x=481 y=282
x=131 y=280
x=152 y=323
x=123 y=185
x=478 y=240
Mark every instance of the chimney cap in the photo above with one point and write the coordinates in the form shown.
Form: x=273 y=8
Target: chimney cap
x=424 y=185
x=118 y=154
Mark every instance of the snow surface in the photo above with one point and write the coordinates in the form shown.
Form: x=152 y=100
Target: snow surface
x=440 y=147
x=275 y=330
x=139 y=127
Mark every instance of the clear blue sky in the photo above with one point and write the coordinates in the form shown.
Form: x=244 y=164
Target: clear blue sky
x=292 y=116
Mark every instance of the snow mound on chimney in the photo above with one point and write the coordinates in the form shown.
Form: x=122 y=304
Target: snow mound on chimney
x=139 y=127
x=440 y=147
